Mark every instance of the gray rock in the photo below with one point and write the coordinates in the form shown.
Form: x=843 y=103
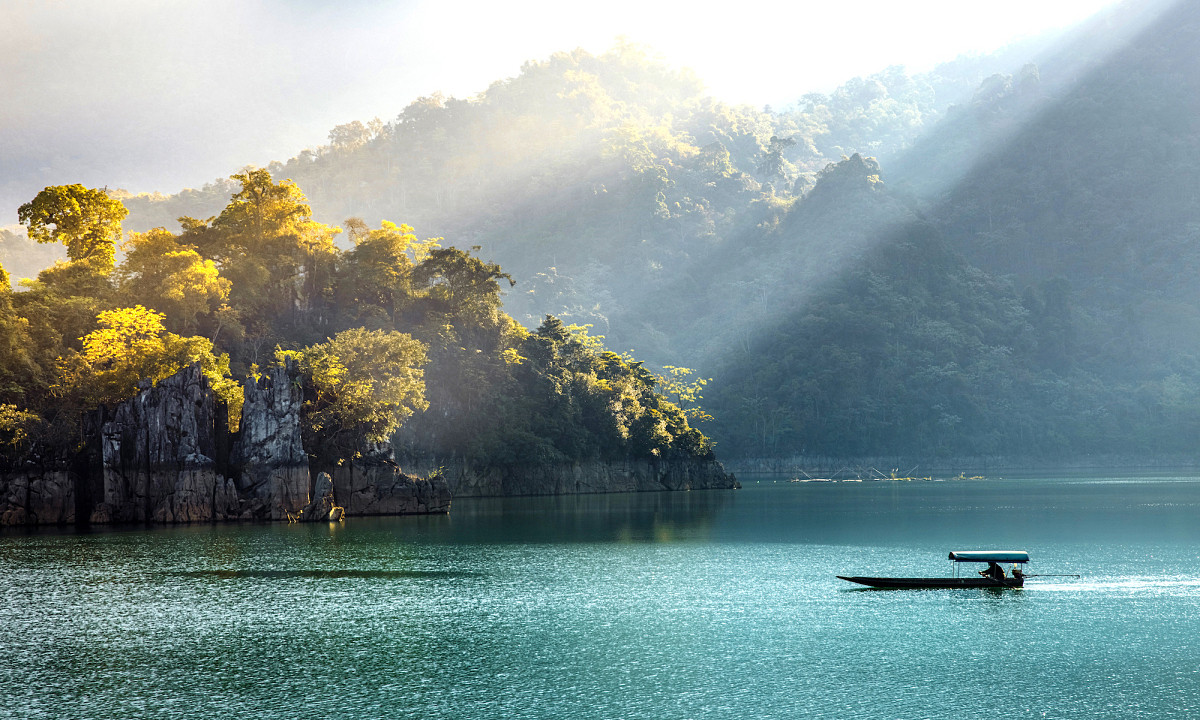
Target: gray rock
x=323 y=506
x=372 y=484
x=158 y=456
x=272 y=466
x=37 y=496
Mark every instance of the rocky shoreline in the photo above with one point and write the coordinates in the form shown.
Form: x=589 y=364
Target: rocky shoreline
x=167 y=456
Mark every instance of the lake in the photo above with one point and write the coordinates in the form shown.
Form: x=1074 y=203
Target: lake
x=716 y=604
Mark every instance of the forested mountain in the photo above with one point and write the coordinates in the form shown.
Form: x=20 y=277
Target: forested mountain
x=590 y=177
x=1040 y=300
x=992 y=258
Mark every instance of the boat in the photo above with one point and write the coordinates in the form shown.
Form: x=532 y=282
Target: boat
x=995 y=577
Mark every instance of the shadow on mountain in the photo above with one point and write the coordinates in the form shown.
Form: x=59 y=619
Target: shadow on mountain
x=1041 y=306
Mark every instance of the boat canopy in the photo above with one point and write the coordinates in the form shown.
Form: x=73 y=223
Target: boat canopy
x=996 y=556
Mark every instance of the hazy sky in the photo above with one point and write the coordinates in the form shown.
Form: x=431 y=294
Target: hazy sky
x=161 y=95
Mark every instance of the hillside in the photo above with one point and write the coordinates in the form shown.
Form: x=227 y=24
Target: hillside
x=590 y=177
x=1038 y=301
x=983 y=259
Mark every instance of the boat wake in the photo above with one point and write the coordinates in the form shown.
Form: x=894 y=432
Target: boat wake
x=1123 y=584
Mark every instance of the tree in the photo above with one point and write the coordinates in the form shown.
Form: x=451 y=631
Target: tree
x=360 y=384
x=15 y=426
x=677 y=386
x=132 y=345
x=377 y=274
x=18 y=371
x=350 y=136
x=160 y=272
x=773 y=164
x=461 y=287
x=280 y=262
x=87 y=222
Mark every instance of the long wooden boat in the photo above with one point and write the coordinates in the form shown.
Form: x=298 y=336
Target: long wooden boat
x=935 y=583
x=996 y=578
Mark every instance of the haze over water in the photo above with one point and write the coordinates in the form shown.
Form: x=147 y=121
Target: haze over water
x=687 y=605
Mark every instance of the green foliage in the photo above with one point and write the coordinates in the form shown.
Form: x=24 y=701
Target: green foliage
x=460 y=287
x=773 y=164
x=15 y=426
x=592 y=403
x=131 y=346
x=87 y=222
x=376 y=276
x=160 y=272
x=279 y=262
x=679 y=387
x=18 y=369
x=361 y=384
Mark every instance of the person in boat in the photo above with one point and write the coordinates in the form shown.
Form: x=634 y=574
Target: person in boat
x=993 y=571
x=1018 y=573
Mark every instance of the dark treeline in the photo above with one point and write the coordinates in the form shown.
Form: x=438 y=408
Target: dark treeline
x=983 y=259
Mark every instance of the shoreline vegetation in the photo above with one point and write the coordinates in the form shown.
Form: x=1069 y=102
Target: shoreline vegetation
x=120 y=397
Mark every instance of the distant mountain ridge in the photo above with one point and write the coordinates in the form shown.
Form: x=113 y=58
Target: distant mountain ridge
x=592 y=164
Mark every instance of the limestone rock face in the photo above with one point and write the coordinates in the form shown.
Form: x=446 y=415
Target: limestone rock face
x=466 y=480
x=159 y=453
x=372 y=484
x=166 y=456
x=322 y=506
x=37 y=496
x=273 y=475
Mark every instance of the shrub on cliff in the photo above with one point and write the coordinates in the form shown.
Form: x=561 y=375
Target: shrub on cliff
x=361 y=384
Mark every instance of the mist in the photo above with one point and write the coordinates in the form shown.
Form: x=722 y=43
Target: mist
x=156 y=98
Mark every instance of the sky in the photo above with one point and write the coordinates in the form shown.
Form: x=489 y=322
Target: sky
x=159 y=95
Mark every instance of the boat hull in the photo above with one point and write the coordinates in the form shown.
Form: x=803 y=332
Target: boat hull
x=935 y=583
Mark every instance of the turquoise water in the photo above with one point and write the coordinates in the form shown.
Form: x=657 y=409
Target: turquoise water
x=688 y=605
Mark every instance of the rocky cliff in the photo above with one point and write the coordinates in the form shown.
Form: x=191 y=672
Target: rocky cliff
x=167 y=456
x=160 y=456
x=373 y=485
x=268 y=453
x=38 y=496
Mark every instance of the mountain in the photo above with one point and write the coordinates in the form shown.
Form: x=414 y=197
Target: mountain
x=590 y=178
x=993 y=258
x=1039 y=299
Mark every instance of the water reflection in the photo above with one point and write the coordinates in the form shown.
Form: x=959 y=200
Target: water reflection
x=323 y=574
x=619 y=517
